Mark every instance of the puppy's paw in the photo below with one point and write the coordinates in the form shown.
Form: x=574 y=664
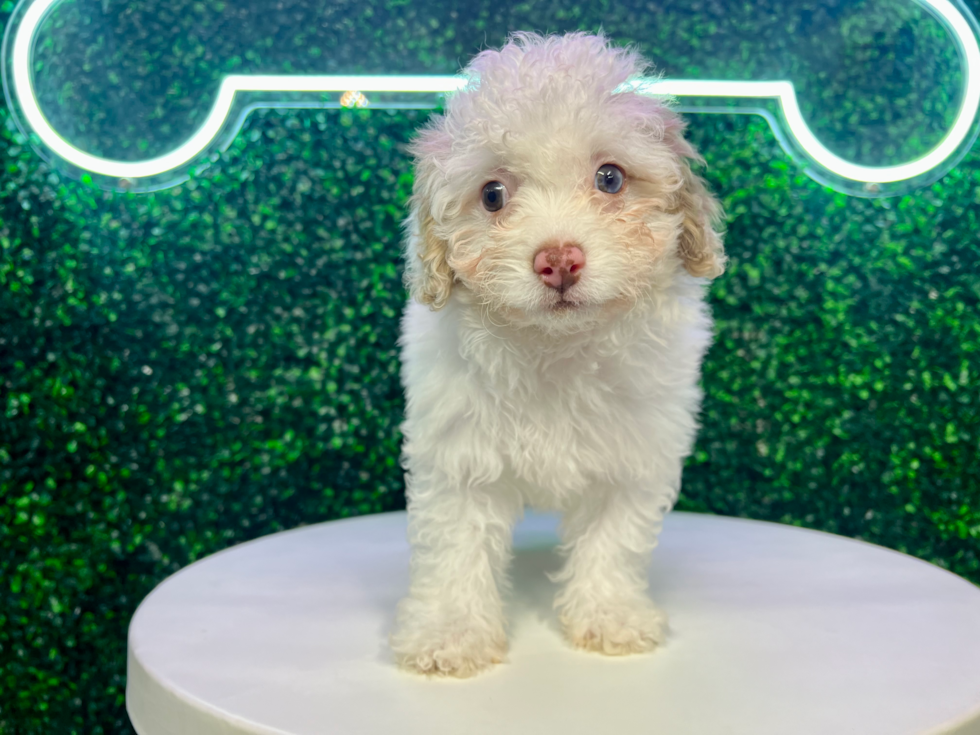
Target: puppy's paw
x=432 y=642
x=616 y=629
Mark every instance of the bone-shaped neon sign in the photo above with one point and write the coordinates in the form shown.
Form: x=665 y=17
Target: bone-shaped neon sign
x=824 y=165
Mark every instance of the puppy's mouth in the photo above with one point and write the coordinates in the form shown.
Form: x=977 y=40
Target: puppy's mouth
x=564 y=305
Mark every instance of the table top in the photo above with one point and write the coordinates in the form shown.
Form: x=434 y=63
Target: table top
x=774 y=629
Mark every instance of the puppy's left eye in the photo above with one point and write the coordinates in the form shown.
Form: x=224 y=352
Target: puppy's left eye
x=609 y=178
x=494 y=195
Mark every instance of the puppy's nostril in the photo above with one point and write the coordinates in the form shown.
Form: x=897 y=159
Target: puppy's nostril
x=547 y=272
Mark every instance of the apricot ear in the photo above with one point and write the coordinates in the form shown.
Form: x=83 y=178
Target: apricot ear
x=428 y=276
x=700 y=245
x=427 y=273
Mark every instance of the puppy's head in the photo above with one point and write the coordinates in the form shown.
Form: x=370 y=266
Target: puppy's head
x=551 y=199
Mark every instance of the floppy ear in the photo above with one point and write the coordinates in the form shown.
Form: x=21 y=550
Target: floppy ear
x=700 y=244
x=428 y=276
x=427 y=273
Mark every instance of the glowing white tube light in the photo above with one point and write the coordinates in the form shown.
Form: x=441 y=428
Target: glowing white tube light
x=783 y=91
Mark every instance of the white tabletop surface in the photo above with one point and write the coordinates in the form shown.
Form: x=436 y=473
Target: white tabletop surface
x=774 y=630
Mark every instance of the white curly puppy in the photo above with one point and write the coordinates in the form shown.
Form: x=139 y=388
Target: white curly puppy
x=557 y=250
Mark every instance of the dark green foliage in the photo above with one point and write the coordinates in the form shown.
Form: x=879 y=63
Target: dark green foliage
x=841 y=390
x=185 y=370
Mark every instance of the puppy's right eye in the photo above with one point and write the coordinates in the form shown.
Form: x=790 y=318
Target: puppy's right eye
x=494 y=195
x=609 y=178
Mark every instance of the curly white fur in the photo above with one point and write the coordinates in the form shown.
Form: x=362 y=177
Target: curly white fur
x=589 y=410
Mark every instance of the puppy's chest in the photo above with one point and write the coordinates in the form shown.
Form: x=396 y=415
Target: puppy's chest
x=558 y=395
x=566 y=427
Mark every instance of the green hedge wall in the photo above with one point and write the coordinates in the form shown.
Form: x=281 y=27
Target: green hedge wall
x=185 y=370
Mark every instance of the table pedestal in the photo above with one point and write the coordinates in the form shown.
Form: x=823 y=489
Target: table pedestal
x=774 y=631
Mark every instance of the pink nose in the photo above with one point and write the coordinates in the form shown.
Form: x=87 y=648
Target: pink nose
x=560 y=266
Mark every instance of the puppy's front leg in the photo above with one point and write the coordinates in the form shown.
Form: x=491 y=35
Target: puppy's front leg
x=608 y=537
x=452 y=621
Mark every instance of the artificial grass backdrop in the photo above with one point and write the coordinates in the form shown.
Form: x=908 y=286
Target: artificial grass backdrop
x=185 y=370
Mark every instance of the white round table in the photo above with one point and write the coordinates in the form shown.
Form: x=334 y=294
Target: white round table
x=774 y=630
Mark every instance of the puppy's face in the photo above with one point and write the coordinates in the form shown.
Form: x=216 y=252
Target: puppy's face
x=551 y=200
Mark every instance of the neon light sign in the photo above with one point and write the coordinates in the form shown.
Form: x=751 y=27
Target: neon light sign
x=421 y=91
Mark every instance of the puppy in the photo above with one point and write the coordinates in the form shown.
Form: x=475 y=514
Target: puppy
x=557 y=251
